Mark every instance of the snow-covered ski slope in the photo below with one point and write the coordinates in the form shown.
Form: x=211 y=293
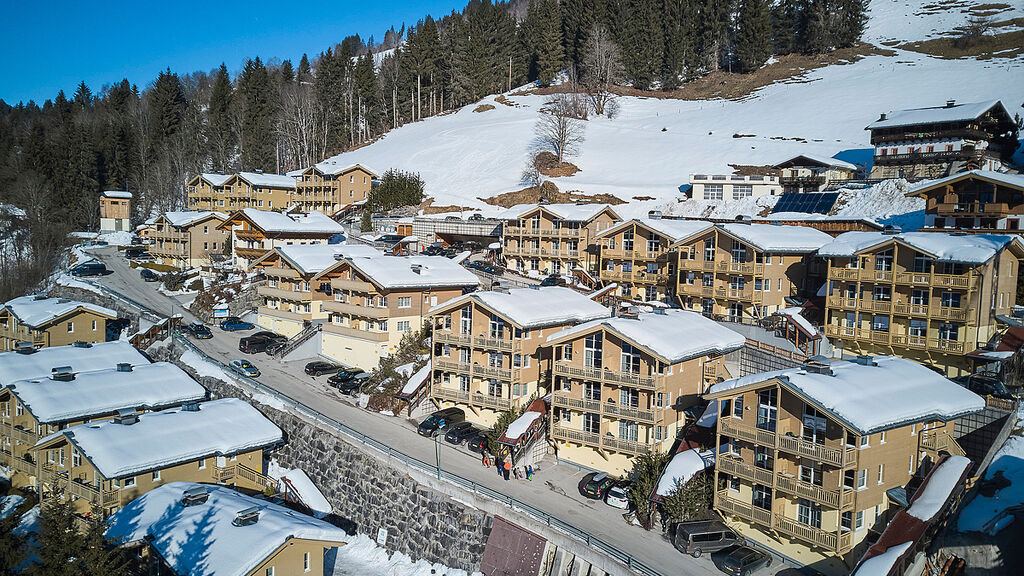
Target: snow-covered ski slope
x=652 y=146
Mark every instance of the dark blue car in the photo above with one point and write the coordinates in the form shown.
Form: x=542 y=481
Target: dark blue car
x=235 y=324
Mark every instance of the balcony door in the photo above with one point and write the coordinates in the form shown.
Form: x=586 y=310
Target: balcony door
x=629 y=430
x=767 y=409
x=592 y=350
x=762 y=497
x=809 y=513
x=814 y=425
x=592 y=423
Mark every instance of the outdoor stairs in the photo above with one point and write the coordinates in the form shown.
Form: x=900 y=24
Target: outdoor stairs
x=299 y=339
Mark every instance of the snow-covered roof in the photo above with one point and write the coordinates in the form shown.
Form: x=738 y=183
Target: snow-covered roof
x=414 y=271
x=891 y=392
x=15 y=366
x=674 y=335
x=571 y=212
x=944 y=247
x=772 y=238
x=269 y=180
x=681 y=468
x=816 y=159
x=173 y=530
x=104 y=392
x=311 y=223
x=933 y=115
x=520 y=425
x=942 y=481
x=417 y=380
x=333 y=167
x=215 y=179
x=535 y=307
x=315 y=258
x=171 y=437
x=795 y=315
x=116 y=194
x=882 y=564
x=11 y=210
x=179 y=219
x=1015 y=180
x=671 y=229
x=301 y=486
x=34 y=312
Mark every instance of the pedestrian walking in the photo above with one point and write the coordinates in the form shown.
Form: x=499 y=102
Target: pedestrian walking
x=483 y=460
x=529 y=472
x=508 y=469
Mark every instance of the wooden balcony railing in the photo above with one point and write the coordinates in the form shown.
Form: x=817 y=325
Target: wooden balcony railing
x=284 y=294
x=962 y=281
x=497 y=343
x=373 y=336
x=353 y=285
x=453 y=338
x=838 y=542
x=891 y=339
x=20 y=434
x=654 y=382
x=840 y=499
x=356 y=310
x=939 y=441
x=601 y=441
x=469 y=398
x=741 y=267
x=620 y=254
x=835 y=456
x=605 y=408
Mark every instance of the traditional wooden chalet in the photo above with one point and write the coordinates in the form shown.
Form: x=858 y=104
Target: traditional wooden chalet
x=115 y=211
x=620 y=384
x=256 y=232
x=554 y=238
x=978 y=201
x=188 y=239
x=807 y=456
x=928 y=296
x=943 y=140
x=45 y=322
x=208 y=191
x=810 y=173
x=329 y=187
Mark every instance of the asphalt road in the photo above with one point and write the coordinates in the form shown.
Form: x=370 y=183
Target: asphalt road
x=553 y=489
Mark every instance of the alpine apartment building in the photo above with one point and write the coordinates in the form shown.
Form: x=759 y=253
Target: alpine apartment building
x=374 y=302
x=487 y=346
x=806 y=455
x=620 y=384
x=258 y=190
x=733 y=186
x=978 y=201
x=743 y=270
x=255 y=232
x=294 y=294
x=112 y=462
x=45 y=322
x=187 y=239
x=808 y=173
x=554 y=238
x=329 y=186
x=207 y=191
x=929 y=296
x=635 y=256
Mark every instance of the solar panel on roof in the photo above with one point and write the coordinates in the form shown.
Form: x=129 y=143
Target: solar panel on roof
x=810 y=203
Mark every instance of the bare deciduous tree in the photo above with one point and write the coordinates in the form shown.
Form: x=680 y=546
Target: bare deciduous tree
x=602 y=68
x=559 y=127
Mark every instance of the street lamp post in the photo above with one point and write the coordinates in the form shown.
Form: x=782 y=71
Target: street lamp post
x=437 y=454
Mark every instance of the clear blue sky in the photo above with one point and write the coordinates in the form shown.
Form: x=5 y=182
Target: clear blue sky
x=57 y=44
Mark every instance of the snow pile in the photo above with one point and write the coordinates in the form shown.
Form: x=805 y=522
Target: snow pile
x=117 y=238
x=9 y=504
x=682 y=468
x=941 y=483
x=881 y=565
x=298 y=483
x=364 y=557
x=1009 y=463
x=69 y=281
x=885 y=202
x=769 y=238
x=204 y=367
x=311 y=223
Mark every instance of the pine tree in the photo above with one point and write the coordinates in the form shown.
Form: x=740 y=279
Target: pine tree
x=820 y=26
x=219 y=131
x=12 y=546
x=577 y=19
x=542 y=32
x=788 y=26
x=304 y=74
x=83 y=95
x=852 y=20
x=286 y=72
x=167 y=107
x=640 y=37
x=101 y=556
x=257 y=101
x=753 y=35
x=679 y=18
x=60 y=545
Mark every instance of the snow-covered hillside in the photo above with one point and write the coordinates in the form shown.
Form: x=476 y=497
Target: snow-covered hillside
x=908 y=20
x=650 y=149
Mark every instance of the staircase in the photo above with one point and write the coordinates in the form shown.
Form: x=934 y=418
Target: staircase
x=298 y=340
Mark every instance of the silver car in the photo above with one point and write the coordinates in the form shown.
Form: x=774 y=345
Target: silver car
x=245 y=368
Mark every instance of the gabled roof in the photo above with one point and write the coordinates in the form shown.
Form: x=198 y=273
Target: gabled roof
x=815 y=160
x=172 y=529
x=390 y=272
x=268 y=180
x=943 y=247
x=672 y=230
x=179 y=219
x=937 y=114
x=291 y=223
x=171 y=437
x=104 y=392
x=35 y=312
x=212 y=178
x=569 y=212
x=39 y=364
x=315 y=258
x=671 y=335
x=122 y=194
x=1012 y=180
x=332 y=167
x=772 y=238
x=683 y=466
x=533 y=307
x=890 y=393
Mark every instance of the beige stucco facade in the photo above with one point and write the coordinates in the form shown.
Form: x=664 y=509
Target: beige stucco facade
x=541 y=240
x=329 y=192
x=80 y=325
x=188 y=245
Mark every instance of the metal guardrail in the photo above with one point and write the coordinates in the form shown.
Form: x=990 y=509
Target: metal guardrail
x=625 y=558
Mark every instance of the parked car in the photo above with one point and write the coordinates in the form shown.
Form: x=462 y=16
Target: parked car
x=744 y=560
x=553 y=280
x=459 y=433
x=148 y=275
x=495 y=270
x=477 y=264
x=348 y=380
x=440 y=420
x=595 y=485
x=136 y=254
x=234 y=324
x=89 y=269
x=616 y=497
x=245 y=368
x=989 y=386
x=477 y=442
x=696 y=538
x=199 y=331
x=275 y=344
x=253 y=344
x=320 y=367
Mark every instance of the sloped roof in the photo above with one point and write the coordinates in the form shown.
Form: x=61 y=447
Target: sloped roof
x=34 y=312
x=934 y=115
x=673 y=335
x=116 y=194
x=944 y=247
x=315 y=258
x=893 y=392
x=278 y=222
x=571 y=212
x=215 y=179
x=1014 y=180
x=179 y=219
x=682 y=468
x=16 y=366
x=772 y=238
x=815 y=159
x=270 y=180
x=535 y=307
x=672 y=230
x=223 y=549
x=414 y=271
x=332 y=167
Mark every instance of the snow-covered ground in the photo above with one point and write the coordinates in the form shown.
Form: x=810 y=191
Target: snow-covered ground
x=8 y=505
x=204 y=367
x=907 y=20
x=363 y=557
x=1010 y=461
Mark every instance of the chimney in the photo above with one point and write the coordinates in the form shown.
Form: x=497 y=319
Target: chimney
x=654 y=214
x=882 y=117
x=81 y=344
x=126 y=417
x=124 y=367
x=416 y=268
x=743 y=219
x=891 y=230
x=866 y=360
x=195 y=496
x=950 y=103
x=62 y=374
x=247 y=517
x=25 y=348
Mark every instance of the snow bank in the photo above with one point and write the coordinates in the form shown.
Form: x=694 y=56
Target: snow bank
x=117 y=238
x=204 y=367
x=299 y=483
x=8 y=504
x=922 y=19
x=69 y=281
x=1010 y=462
x=881 y=565
x=363 y=556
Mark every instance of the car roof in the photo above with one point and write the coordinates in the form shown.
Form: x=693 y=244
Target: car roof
x=744 y=552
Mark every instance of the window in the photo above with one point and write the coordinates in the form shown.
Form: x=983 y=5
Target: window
x=592 y=390
x=466 y=320
x=950 y=299
x=270 y=571
x=881 y=473
x=767 y=408
x=128 y=482
x=305 y=562
x=881 y=437
x=206 y=245
x=734 y=484
x=762 y=497
x=809 y=513
x=919 y=297
x=846 y=521
x=862 y=478
x=949 y=332
x=156 y=476
x=93 y=325
x=627 y=240
x=629 y=397
x=405 y=302
x=592 y=423
x=918 y=328
x=404 y=326
x=737 y=407
x=630 y=359
x=739 y=252
x=76 y=458
x=202 y=464
x=814 y=425
x=883 y=293
x=628 y=430
x=709 y=250
x=592 y=349
x=653 y=244
x=60 y=457
x=880 y=323
x=71 y=327
x=763 y=458
x=567 y=352
x=883 y=260
x=860 y=520
x=810 y=472
x=922 y=264
x=713 y=191
x=742 y=190
x=496 y=327
x=463 y=383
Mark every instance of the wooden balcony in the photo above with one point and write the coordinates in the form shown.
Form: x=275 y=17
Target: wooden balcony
x=284 y=294
x=895 y=340
x=600 y=441
x=19 y=434
x=347 y=331
x=746 y=294
x=635 y=277
x=697 y=265
x=972 y=209
x=696 y=290
x=604 y=408
x=353 y=285
x=24 y=466
x=737 y=467
x=105 y=498
x=741 y=268
x=542 y=232
x=502 y=344
x=614 y=377
x=279 y=272
x=620 y=254
x=453 y=338
x=731 y=506
x=939 y=441
x=837 y=499
x=249 y=253
x=839 y=542
x=241 y=474
x=284 y=314
x=839 y=457
x=444 y=394
x=961 y=281
x=355 y=310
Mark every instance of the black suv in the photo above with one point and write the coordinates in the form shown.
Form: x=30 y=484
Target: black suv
x=89 y=269
x=348 y=380
x=989 y=386
x=595 y=484
x=320 y=367
x=459 y=433
x=199 y=331
x=440 y=421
